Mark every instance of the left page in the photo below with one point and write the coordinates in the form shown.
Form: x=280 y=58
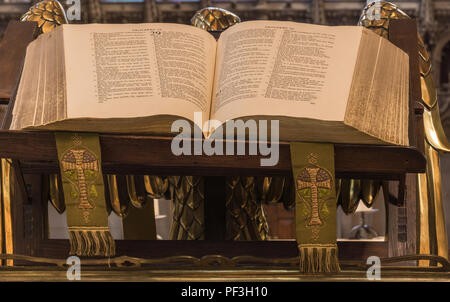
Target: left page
x=137 y=70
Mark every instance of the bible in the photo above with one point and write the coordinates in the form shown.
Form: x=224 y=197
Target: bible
x=338 y=84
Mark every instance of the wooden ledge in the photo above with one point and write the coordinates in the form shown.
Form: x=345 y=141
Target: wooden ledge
x=132 y=154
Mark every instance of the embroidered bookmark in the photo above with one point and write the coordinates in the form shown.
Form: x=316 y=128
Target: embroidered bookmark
x=82 y=179
x=315 y=206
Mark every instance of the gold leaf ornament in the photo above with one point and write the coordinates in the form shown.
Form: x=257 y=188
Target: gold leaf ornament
x=214 y=19
x=48 y=14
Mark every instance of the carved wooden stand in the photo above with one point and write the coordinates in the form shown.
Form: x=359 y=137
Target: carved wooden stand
x=34 y=155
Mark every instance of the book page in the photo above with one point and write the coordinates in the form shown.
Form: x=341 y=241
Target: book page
x=284 y=68
x=25 y=106
x=61 y=93
x=136 y=70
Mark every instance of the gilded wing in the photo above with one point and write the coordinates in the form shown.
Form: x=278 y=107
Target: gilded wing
x=48 y=14
x=244 y=213
x=56 y=194
x=188 y=198
x=136 y=191
x=348 y=199
x=214 y=19
x=187 y=195
x=156 y=186
x=117 y=194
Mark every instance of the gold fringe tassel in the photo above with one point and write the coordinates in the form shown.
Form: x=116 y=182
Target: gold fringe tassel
x=91 y=243
x=318 y=258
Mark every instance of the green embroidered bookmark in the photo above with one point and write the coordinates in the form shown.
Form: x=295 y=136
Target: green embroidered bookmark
x=315 y=206
x=80 y=165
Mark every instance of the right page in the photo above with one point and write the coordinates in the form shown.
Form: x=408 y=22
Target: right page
x=285 y=69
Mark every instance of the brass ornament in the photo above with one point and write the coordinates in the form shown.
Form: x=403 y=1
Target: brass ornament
x=369 y=191
x=119 y=206
x=434 y=133
x=187 y=194
x=56 y=195
x=121 y=192
x=351 y=192
x=235 y=269
x=270 y=189
x=214 y=19
x=244 y=214
x=48 y=14
x=136 y=191
x=156 y=186
x=6 y=206
x=119 y=200
x=437 y=231
x=348 y=199
x=377 y=15
x=432 y=232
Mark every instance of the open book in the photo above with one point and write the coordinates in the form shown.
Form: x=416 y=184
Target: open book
x=340 y=84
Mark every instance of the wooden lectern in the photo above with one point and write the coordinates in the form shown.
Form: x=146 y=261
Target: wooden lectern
x=34 y=154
